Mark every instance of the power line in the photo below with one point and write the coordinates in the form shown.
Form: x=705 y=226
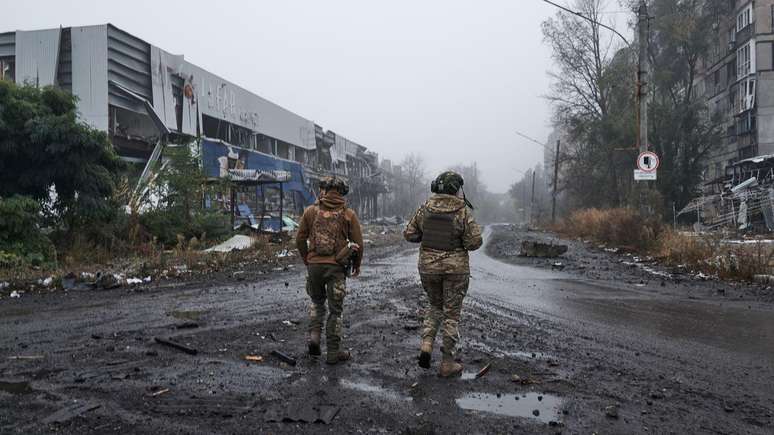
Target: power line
x=549 y=148
x=589 y=19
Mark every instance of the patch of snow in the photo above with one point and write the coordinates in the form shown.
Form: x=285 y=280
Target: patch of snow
x=238 y=243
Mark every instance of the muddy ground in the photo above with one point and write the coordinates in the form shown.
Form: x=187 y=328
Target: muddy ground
x=568 y=353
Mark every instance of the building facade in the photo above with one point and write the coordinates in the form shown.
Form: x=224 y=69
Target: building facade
x=142 y=95
x=737 y=80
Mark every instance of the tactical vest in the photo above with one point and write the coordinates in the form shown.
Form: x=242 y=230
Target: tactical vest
x=438 y=232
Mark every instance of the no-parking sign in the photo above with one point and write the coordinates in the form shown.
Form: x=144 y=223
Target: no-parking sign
x=648 y=161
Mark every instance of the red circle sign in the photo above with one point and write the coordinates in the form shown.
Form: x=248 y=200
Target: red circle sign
x=648 y=161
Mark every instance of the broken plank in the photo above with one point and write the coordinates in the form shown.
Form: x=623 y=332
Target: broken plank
x=68 y=413
x=178 y=346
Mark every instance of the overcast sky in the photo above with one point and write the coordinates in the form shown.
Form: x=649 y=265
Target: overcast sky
x=449 y=80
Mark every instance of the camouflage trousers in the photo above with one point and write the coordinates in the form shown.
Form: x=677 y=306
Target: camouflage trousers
x=326 y=282
x=445 y=292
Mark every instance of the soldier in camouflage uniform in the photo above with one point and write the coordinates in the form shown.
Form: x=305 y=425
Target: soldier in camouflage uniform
x=329 y=236
x=447 y=231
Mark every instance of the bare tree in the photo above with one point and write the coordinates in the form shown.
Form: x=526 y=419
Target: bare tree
x=591 y=93
x=414 y=170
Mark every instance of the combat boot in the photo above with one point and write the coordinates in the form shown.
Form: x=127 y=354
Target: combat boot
x=337 y=356
x=314 y=343
x=449 y=367
x=425 y=353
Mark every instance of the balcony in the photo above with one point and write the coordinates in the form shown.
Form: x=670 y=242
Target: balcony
x=744 y=35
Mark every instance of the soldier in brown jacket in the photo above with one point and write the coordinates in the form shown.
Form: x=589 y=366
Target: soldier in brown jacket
x=447 y=231
x=329 y=237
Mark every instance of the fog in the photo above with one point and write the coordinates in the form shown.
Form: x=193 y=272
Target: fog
x=449 y=80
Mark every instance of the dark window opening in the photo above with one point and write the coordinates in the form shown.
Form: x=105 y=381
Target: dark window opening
x=227 y=132
x=7 y=69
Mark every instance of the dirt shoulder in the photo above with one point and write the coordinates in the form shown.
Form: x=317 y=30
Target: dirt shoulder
x=588 y=260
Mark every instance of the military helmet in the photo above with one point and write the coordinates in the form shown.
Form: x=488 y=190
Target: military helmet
x=334 y=183
x=449 y=183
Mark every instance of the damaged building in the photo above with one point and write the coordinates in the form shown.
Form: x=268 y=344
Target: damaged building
x=737 y=81
x=144 y=98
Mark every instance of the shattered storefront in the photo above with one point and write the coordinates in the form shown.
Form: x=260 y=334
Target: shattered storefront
x=271 y=191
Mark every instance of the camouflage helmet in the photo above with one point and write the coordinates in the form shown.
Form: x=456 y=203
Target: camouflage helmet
x=334 y=183
x=449 y=183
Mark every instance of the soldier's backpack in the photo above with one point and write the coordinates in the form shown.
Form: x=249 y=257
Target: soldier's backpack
x=327 y=228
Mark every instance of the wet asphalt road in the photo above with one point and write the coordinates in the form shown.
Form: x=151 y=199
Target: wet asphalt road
x=733 y=329
x=665 y=363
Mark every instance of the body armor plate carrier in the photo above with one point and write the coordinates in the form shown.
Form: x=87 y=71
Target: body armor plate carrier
x=438 y=232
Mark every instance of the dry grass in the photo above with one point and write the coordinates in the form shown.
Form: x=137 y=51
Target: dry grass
x=712 y=255
x=621 y=227
x=708 y=253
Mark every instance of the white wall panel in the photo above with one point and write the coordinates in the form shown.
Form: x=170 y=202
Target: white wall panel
x=90 y=74
x=37 y=53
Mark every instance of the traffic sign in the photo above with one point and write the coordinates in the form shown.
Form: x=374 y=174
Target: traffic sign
x=648 y=161
x=640 y=175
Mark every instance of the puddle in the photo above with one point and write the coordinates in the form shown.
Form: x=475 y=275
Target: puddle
x=376 y=391
x=187 y=314
x=22 y=387
x=514 y=405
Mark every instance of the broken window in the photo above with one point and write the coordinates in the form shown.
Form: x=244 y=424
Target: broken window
x=7 y=69
x=746 y=95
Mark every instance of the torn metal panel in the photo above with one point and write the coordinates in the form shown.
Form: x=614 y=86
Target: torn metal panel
x=146 y=105
x=90 y=74
x=216 y=97
x=37 y=52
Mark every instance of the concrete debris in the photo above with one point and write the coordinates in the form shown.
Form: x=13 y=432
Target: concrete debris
x=541 y=250
x=611 y=412
x=237 y=243
x=108 y=281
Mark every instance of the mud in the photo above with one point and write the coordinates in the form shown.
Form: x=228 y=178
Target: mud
x=567 y=346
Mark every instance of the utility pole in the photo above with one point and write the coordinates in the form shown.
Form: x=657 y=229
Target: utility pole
x=642 y=89
x=556 y=181
x=532 y=201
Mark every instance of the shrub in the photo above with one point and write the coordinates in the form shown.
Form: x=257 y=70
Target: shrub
x=21 y=238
